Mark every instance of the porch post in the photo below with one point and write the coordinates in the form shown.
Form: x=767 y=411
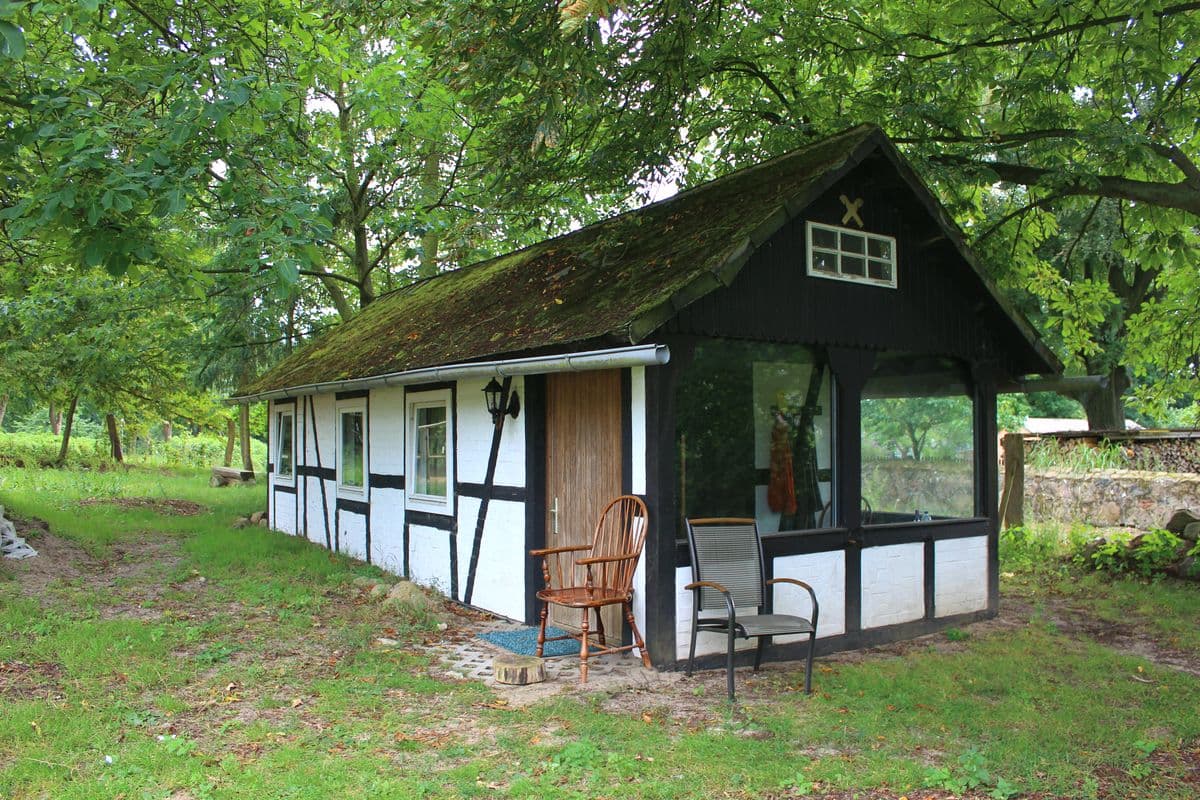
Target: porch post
x=851 y=367
x=987 y=466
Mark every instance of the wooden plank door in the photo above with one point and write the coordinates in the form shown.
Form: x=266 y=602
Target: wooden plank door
x=583 y=467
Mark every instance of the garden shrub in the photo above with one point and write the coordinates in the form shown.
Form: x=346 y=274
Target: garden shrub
x=1118 y=553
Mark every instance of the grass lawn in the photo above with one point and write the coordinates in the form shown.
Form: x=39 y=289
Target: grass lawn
x=159 y=653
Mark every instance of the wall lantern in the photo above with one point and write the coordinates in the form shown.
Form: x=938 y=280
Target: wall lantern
x=494 y=393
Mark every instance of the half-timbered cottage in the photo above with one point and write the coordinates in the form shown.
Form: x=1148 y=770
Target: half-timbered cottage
x=808 y=341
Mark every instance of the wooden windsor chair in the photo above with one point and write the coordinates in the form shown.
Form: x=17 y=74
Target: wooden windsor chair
x=591 y=576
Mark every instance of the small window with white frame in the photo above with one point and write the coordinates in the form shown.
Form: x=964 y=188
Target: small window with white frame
x=285 y=446
x=849 y=255
x=430 y=451
x=352 y=447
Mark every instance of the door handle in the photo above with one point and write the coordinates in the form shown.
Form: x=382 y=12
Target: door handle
x=554 y=517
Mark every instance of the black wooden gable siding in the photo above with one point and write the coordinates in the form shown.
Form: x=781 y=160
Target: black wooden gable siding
x=938 y=307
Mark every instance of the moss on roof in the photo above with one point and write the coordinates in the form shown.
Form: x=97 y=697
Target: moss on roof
x=617 y=279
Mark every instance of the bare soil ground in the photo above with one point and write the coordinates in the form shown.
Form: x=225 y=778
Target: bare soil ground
x=160 y=505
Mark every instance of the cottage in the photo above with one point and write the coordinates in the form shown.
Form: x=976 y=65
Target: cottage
x=808 y=342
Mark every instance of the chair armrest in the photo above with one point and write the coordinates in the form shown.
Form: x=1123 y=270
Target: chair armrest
x=549 y=551
x=583 y=562
x=698 y=585
x=811 y=594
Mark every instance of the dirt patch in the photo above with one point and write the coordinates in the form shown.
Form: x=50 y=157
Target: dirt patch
x=62 y=561
x=160 y=505
x=21 y=681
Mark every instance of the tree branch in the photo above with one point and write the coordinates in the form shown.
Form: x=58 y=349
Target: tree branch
x=1182 y=196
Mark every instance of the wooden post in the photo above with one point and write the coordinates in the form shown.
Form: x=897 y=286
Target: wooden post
x=230 y=437
x=114 y=438
x=244 y=419
x=1012 y=500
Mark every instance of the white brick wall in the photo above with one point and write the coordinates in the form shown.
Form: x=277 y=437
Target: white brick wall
x=705 y=642
x=960 y=575
x=893 y=584
x=826 y=573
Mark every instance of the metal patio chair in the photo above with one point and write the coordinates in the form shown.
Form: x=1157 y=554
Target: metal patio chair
x=729 y=592
x=602 y=577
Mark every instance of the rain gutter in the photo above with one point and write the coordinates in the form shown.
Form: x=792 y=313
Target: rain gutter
x=639 y=356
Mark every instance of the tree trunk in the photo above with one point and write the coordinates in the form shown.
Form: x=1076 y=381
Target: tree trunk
x=66 y=435
x=114 y=439
x=56 y=419
x=3 y=407
x=244 y=419
x=1104 y=406
x=230 y=437
x=168 y=431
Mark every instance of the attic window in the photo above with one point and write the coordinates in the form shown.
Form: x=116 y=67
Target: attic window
x=845 y=254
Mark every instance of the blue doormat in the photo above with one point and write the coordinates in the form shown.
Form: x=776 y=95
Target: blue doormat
x=523 y=641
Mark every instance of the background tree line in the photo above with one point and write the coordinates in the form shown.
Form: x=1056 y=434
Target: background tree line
x=191 y=189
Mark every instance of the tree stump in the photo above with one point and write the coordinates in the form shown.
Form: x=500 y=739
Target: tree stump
x=518 y=670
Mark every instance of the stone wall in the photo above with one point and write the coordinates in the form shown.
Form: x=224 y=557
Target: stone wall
x=1123 y=497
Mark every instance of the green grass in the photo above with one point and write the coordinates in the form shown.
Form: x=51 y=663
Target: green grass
x=262 y=680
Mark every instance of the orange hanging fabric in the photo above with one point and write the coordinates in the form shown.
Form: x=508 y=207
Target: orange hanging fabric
x=781 y=491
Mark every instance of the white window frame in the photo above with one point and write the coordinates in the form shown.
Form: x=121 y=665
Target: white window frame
x=838 y=253
x=425 y=502
x=349 y=407
x=282 y=414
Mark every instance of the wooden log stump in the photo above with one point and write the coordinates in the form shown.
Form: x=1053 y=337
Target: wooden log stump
x=518 y=670
x=224 y=476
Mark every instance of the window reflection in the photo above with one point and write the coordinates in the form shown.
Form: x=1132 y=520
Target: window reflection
x=918 y=458
x=753 y=434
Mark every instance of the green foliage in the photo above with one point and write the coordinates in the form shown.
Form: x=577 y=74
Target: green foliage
x=1029 y=548
x=1144 y=555
x=1083 y=457
x=918 y=428
x=183 y=450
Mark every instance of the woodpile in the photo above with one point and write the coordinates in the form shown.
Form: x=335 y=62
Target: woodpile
x=1171 y=455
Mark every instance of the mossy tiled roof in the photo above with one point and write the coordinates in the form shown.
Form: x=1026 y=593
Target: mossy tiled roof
x=616 y=280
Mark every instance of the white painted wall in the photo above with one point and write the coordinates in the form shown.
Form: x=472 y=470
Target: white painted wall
x=960 y=575
x=352 y=530
x=429 y=558
x=500 y=577
x=319 y=515
x=638 y=485
x=475 y=437
x=385 y=429
x=826 y=574
x=893 y=584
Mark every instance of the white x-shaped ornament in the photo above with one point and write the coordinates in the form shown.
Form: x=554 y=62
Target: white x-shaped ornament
x=852 y=207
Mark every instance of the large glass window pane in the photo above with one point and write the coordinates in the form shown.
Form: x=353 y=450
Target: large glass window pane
x=283 y=460
x=351 y=449
x=429 y=464
x=753 y=434
x=918 y=459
